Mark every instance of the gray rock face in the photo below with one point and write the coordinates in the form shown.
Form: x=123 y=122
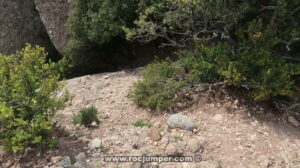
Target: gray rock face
x=181 y=121
x=19 y=24
x=54 y=15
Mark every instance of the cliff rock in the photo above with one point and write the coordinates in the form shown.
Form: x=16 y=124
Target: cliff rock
x=19 y=24
x=54 y=15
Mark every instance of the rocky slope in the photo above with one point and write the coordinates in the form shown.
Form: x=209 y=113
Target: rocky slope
x=229 y=133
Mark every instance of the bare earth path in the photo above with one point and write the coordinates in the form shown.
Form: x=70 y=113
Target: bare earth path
x=227 y=138
x=229 y=135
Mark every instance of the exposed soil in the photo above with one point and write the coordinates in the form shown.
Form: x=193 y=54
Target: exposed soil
x=230 y=133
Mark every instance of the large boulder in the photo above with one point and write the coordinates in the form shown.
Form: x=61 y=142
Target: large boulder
x=54 y=15
x=19 y=24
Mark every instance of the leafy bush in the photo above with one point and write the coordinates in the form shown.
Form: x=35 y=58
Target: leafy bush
x=87 y=116
x=160 y=82
x=100 y=21
x=257 y=68
x=182 y=21
x=98 y=35
x=246 y=44
x=28 y=102
x=265 y=76
x=204 y=64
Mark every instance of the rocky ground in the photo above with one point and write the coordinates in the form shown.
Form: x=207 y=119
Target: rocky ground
x=229 y=132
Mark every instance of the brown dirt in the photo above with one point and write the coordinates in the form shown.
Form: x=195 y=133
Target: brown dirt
x=230 y=132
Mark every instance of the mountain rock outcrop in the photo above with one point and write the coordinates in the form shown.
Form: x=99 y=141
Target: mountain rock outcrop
x=54 y=15
x=19 y=24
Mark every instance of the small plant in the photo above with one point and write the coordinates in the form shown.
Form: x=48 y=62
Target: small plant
x=158 y=87
x=87 y=116
x=141 y=123
x=178 y=138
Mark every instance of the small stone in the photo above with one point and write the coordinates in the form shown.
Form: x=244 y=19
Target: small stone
x=79 y=134
x=193 y=145
x=81 y=161
x=94 y=124
x=66 y=162
x=95 y=144
x=164 y=142
x=181 y=121
x=180 y=105
x=56 y=159
x=175 y=149
x=80 y=157
x=195 y=130
x=155 y=134
x=218 y=117
x=157 y=125
x=96 y=155
x=171 y=149
x=293 y=121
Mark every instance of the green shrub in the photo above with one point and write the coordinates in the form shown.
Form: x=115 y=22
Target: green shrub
x=100 y=21
x=264 y=75
x=254 y=45
x=86 y=116
x=257 y=68
x=98 y=36
x=141 y=123
x=28 y=102
x=204 y=64
x=160 y=82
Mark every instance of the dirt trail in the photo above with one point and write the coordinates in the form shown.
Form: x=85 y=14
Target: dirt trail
x=229 y=139
x=228 y=135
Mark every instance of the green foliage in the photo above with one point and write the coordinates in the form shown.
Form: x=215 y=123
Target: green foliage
x=100 y=20
x=141 y=123
x=179 y=20
x=160 y=83
x=28 y=102
x=245 y=44
x=204 y=64
x=254 y=68
x=87 y=116
x=257 y=67
x=98 y=37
